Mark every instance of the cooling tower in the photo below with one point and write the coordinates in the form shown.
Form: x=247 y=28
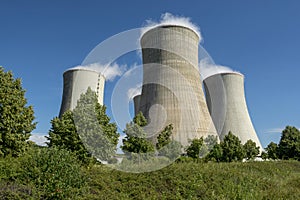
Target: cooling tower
x=76 y=82
x=136 y=102
x=226 y=102
x=172 y=90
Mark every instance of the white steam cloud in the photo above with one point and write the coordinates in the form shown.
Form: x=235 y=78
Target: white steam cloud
x=132 y=92
x=169 y=19
x=208 y=69
x=109 y=71
x=39 y=139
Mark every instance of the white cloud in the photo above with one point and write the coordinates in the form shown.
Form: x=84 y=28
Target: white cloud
x=109 y=71
x=208 y=69
x=132 y=92
x=169 y=19
x=39 y=139
x=276 y=130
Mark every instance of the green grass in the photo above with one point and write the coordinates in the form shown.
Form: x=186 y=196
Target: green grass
x=252 y=180
x=187 y=180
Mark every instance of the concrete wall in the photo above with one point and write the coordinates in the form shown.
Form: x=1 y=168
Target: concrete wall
x=76 y=82
x=172 y=90
x=226 y=101
x=136 y=102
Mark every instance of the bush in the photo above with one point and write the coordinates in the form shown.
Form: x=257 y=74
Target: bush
x=55 y=173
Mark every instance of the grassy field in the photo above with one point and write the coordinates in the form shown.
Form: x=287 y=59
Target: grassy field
x=188 y=180
x=252 y=180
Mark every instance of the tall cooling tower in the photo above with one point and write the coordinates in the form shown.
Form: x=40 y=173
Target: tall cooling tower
x=76 y=82
x=136 y=102
x=226 y=102
x=172 y=89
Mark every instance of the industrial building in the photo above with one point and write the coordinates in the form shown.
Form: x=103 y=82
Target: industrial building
x=225 y=95
x=172 y=89
x=76 y=82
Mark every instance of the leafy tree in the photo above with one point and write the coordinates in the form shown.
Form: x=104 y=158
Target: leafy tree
x=135 y=140
x=272 y=150
x=195 y=147
x=86 y=130
x=251 y=150
x=63 y=134
x=210 y=141
x=16 y=119
x=264 y=155
x=167 y=147
x=216 y=153
x=164 y=137
x=140 y=120
x=232 y=148
x=289 y=144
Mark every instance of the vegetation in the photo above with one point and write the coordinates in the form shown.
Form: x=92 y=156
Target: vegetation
x=251 y=150
x=187 y=180
x=272 y=149
x=86 y=130
x=135 y=140
x=16 y=121
x=43 y=173
x=167 y=147
x=289 y=144
x=288 y=147
x=195 y=147
x=56 y=172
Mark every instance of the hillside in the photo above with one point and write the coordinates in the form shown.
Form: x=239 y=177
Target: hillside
x=189 y=180
x=253 y=180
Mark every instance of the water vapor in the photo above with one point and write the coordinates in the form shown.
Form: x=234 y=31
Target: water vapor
x=109 y=71
x=208 y=69
x=169 y=19
x=132 y=92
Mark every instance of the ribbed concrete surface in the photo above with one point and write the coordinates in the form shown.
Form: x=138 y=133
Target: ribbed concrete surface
x=172 y=90
x=136 y=102
x=76 y=82
x=226 y=101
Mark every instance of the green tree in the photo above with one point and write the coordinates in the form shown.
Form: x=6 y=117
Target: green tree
x=86 y=130
x=164 y=137
x=232 y=148
x=289 y=144
x=264 y=155
x=195 y=147
x=210 y=141
x=272 y=151
x=16 y=121
x=216 y=153
x=167 y=147
x=135 y=140
x=251 y=150
x=140 y=120
x=63 y=134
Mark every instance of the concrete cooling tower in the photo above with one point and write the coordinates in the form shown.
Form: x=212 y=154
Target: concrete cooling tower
x=76 y=82
x=226 y=102
x=172 y=89
x=136 y=102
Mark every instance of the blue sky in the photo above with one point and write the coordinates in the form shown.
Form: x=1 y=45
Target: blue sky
x=41 y=39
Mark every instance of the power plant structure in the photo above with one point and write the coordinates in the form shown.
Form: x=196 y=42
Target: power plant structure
x=76 y=82
x=136 y=103
x=225 y=95
x=172 y=88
